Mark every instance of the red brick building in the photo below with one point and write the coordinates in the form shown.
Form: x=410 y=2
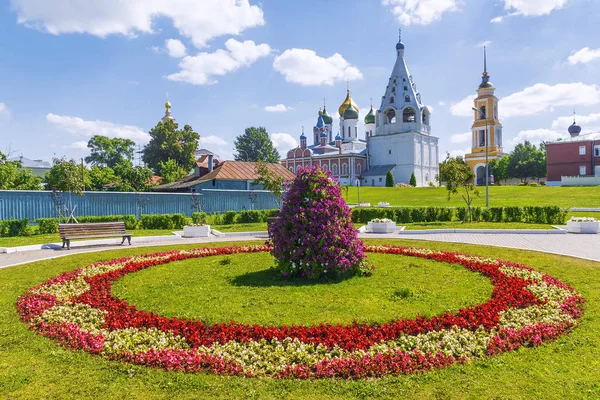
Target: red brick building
x=574 y=157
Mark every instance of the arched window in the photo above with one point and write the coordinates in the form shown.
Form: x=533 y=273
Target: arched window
x=496 y=111
x=356 y=131
x=392 y=99
x=426 y=177
x=408 y=115
x=407 y=98
x=324 y=167
x=358 y=169
x=390 y=116
x=394 y=89
x=298 y=168
x=426 y=117
x=349 y=132
x=344 y=169
x=291 y=169
x=334 y=169
x=405 y=87
x=482 y=114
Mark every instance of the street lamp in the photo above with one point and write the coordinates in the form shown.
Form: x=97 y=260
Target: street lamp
x=247 y=157
x=358 y=185
x=487 y=174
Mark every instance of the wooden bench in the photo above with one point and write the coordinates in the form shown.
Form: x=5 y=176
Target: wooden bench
x=92 y=230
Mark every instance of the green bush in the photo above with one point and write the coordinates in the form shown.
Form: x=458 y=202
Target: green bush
x=543 y=183
x=533 y=184
x=229 y=217
x=512 y=214
x=445 y=214
x=199 y=217
x=403 y=215
x=47 y=225
x=131 y=221
x=164 y=221
x=251 y=216
x=15 y=227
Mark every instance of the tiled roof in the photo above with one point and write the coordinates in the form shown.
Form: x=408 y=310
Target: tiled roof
x=378 y=170
x=227 y=170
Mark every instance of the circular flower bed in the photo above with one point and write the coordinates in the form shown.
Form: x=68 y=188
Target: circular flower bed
x=78 y=310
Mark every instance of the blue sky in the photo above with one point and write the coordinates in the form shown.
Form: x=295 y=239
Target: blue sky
x=74 y=68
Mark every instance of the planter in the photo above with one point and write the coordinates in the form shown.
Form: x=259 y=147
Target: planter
x=381 y=227
x=196 y=231
x=383 y=204
x=583 y=227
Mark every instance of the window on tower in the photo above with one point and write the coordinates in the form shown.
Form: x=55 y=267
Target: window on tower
x=481 y=138
x=408 y=115
x=482 y=114
x=407 y=98
x=425 y=117
x=390 y=116
x=392 y=99
x=405 y=87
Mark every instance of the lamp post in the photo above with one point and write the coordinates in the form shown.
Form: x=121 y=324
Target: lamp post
x=487 y=174
x=358 y=185
x=247 y=156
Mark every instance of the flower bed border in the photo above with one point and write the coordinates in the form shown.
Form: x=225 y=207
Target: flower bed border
x=77 y=310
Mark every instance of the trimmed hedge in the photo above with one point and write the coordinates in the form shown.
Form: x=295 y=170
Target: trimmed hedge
x=405 y=215
x=164 y=221
x=15 y=227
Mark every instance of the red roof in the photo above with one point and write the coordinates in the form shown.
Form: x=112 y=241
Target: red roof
x=244 y=170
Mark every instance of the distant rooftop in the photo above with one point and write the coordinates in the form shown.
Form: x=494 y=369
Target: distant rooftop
x=29 y=163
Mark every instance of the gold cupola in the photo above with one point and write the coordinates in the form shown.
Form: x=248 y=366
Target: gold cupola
x=346 y=103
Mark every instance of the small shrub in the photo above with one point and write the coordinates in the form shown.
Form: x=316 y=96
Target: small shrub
x=15 y=227
x=164 y=221
x=413 y=180
x=199 y=217
x=543 y=183
x=229 y=218
x=513 y=214
x=402 y=294
x=47 y=225
x=225 y=261
x=533 y=184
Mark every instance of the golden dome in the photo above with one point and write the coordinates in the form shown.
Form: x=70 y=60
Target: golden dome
x=346 y=103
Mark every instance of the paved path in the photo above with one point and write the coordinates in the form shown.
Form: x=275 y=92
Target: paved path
x=581 y=246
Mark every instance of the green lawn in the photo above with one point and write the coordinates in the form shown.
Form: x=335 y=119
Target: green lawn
x=34 y=367
x=498 y=196
x=249 y=291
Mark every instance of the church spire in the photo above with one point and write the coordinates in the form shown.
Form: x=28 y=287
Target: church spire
x=485 y=77
x=167 y=116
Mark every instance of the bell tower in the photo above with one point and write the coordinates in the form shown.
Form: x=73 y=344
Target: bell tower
x=486 y=136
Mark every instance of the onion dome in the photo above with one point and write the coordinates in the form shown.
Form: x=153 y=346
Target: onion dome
x=302 y=137
x=574 y=130
x=320 y=122
x=324 y=134
x=338 y=137
x=370 y=117
x=400 y=46
x=326 y=117
x=346 y=103
x=350 y=113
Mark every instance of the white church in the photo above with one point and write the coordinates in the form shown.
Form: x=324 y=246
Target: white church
x=397 y=138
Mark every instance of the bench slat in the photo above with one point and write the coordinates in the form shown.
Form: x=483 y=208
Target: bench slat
x=90 y=230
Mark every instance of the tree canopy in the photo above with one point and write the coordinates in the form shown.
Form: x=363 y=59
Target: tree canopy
x=108 y=152
x=526 y=161
x=14 y=177
x=65 y=176
x=167 y=142
x=458 y=178
x=133 y=179
x=255 y=145
x=170 y=171
x=270 y=180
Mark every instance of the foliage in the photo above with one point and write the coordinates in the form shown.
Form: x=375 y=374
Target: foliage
x=14 y=177
x=133 y=179
x=15 y=227
x=526 y=161
x=169 y=171
x=97 y=177
x=413 y=180
x=167 y=142
x=389 y=179
x=255 y=145
x=314 y=237
x=163 y=221
x=269 y=180
x=498 y=168
x=458 y=177
x=65 y=176
x=108 y=152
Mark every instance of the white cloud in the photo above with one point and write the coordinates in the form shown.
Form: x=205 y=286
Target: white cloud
x=283 y=142
x=200 y=69
x=463 y=107
x=175 y=48
x=421 y=12
x=80 y=145
x=537 y=99
x=541 y=97
x=461 y=138
x=80 y=127
x=588 y=123
x=200 y=20
x=442 y=103
x=484 y=43
x=536 y=136
x=4 y=112
x=305 y=67
x=212 y=140
x=461 y=153
x=584 y=56
x=529 y=8
x=278 y=108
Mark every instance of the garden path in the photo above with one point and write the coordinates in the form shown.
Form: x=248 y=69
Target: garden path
x=580 y=246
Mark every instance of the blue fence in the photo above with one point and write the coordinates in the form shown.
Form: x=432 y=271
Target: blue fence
x=31 y=204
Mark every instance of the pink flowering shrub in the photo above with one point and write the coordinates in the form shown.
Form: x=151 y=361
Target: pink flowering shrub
x=314 y=237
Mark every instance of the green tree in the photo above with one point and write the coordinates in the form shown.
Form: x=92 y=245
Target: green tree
x=96 y=178
x=413 y=180
x=499 y=167
x=459 y=178
x=170 y=171
x=14 y=177
x=167 y=142
x=65 y=176
x=389 y=179
x=269 y=180
x=255 y=145
x=526 y=161
x=108 y=152
x=133 y=179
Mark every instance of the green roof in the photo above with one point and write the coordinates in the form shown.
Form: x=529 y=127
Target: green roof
x=350 y=113
x=370 y=117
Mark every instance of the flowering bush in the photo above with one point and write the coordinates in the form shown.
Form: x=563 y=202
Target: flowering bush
x=527 y=308
x=314 y=236
x=381 y=220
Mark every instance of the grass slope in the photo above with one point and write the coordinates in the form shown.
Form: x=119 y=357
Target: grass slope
x=499 y=196
x=34 y=367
